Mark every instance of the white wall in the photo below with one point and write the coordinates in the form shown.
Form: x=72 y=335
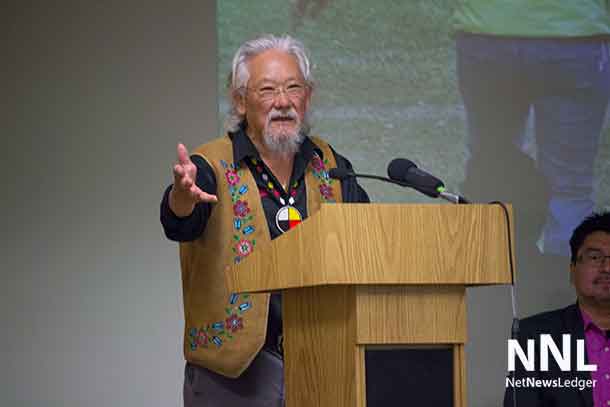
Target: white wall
x=98 y=94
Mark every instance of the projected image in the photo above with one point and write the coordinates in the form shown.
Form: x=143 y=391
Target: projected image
x=393 y=79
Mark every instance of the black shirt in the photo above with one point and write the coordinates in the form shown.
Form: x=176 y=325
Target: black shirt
x=191 y=227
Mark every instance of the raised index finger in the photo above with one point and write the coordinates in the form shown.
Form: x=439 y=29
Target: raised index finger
x=183 y=154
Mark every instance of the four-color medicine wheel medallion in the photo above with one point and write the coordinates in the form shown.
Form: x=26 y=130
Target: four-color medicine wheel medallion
x=287 y=217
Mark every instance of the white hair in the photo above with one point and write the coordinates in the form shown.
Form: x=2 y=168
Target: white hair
x=239 y=75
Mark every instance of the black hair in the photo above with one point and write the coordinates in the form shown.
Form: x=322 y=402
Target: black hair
x=596 y=222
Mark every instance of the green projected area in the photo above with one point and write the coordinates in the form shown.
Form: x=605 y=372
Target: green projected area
x=386 y=82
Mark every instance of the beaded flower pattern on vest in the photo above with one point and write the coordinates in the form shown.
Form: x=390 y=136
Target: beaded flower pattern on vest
x=242 y=244
x=219 y=331
x=319 y=171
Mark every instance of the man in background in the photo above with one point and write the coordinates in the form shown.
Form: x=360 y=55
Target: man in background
x=588 y=320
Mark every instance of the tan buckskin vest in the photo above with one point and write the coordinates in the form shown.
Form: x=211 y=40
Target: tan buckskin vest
x=225 y=331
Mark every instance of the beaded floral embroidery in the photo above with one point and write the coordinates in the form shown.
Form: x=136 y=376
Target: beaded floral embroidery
x=319 y=171
x=218 y=332
x=242 y=245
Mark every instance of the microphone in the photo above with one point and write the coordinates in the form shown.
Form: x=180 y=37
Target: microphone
x=419 y=182
x=403 y=170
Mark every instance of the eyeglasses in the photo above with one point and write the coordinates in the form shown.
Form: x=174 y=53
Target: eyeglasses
x=593 y=258
x=268 y=92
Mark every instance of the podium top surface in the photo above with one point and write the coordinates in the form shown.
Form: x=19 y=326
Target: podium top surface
x=380 y=244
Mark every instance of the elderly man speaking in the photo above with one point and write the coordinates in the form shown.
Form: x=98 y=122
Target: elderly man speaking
x=234 y=194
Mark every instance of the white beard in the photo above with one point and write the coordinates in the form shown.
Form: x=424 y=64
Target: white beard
x=284 y=141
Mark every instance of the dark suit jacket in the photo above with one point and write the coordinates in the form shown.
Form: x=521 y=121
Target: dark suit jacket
x=556 y=323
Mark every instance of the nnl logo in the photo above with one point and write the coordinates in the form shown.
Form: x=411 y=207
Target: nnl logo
x=547 y=344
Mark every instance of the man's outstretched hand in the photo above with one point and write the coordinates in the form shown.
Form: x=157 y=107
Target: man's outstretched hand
x=185 y=193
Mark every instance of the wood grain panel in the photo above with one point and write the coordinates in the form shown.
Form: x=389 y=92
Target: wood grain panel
x=411 y=314
x=459 y=376
x=360 y=377
x=323 y=365
x=382 y=244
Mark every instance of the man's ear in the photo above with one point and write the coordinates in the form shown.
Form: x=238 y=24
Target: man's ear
x=572 y=272
x=308 y=94
x=239 y=101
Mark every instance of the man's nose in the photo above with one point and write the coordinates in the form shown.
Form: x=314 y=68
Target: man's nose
x=281 y=99
x=606 y=264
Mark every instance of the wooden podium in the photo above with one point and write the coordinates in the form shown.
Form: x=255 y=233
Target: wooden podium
x=360 y=276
